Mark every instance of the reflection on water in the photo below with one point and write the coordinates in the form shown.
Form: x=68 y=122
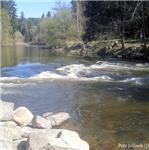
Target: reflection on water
x=108 y=101
x=13 y=55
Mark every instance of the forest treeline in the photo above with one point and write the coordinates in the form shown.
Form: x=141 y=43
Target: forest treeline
x=84 y=21
x=114 y=19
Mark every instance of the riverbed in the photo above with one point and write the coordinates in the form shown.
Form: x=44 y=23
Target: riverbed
x=108 y=100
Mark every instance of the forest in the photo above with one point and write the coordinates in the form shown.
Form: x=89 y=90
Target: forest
x=87 y=26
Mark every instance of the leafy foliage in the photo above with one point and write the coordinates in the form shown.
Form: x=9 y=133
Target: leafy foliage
x=6 y=32
x=56 y=30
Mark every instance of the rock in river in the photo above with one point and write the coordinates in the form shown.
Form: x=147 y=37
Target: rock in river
x=22 y=116
x=58 y=118
x=40 y=122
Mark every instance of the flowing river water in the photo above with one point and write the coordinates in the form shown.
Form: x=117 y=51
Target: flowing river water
x=108 y=100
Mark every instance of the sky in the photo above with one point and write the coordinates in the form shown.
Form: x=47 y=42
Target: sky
x=35 y=8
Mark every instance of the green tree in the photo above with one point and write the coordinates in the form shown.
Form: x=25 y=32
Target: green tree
x=48 y=14
x=13 y=14
x=121 y=18
x=10 y=7
x=6 y=28
x=43 y=15
x=58 y=29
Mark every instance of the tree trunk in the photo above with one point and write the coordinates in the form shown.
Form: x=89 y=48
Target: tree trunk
x=143 y=27
x=123 y=34
x=78 y=26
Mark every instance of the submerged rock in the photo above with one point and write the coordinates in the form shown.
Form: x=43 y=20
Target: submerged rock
x=6 y=111
x=40 y=122
x=22 y=116
x=58 y=118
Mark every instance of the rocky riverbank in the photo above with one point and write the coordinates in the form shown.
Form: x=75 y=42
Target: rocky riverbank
x=111 y=49
x=21 y=130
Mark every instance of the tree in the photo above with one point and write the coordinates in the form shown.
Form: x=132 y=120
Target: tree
x=121 y=18
x=58 y=29
x=43 y=15
x=48 y=14
x=6 y=36
x=21 y=23
x=10 y=7
x=13 y=14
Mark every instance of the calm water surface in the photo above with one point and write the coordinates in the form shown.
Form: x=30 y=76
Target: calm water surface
x=108 y=100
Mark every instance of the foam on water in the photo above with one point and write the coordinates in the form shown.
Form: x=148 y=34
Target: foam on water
x=100 y=71
x=136 y=80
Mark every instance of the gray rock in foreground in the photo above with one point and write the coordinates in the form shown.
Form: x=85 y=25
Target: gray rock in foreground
x=56 y=139
x=16 y=134
x=6 y=111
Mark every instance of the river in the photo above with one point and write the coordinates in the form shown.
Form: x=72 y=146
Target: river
x=108 y=100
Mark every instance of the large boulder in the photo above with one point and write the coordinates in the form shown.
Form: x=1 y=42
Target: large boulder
x=67 y=140
x=40 y=122
x=11 y=139
x=54 y=139
x=6 y=111
x=22 y=116
x=58 y=118
x=38 y=140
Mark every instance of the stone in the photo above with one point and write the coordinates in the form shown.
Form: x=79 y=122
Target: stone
x=47 y=114
x=6 y=111
x=21 y=144
x=22 y=116
x=56 y=139
x=40 y=122
x=42 y=137
x=6 y=144
x=58 y=118
x=115 y=44
x=67 y=140
x=10 y=133
x=10 y=124
x=38 y=139
x=26 y=131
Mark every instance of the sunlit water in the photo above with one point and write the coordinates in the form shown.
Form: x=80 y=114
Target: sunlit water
x=108 y=100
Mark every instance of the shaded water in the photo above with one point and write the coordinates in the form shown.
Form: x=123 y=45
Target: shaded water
x=108 y=100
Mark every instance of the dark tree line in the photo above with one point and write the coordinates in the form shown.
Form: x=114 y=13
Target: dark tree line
x=122 y=19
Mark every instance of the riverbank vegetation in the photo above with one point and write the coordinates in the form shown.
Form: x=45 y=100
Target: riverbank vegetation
x=117 y=28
